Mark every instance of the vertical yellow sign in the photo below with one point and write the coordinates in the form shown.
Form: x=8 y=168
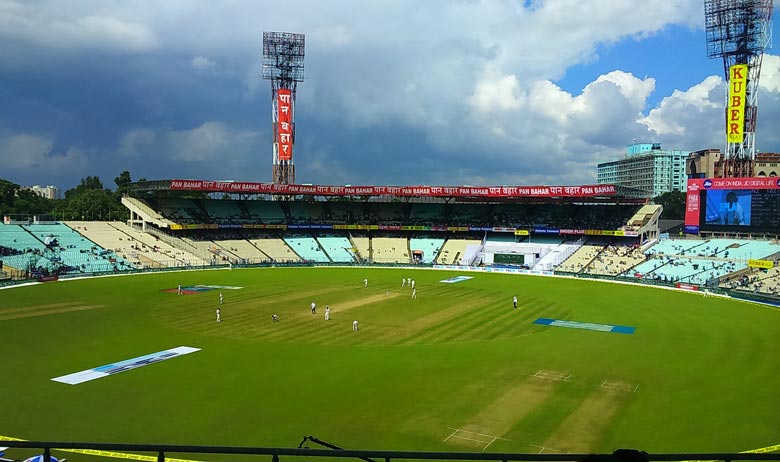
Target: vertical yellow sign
x=735 y=112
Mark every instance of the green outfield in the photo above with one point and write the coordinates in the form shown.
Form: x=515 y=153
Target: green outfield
x=457 y=369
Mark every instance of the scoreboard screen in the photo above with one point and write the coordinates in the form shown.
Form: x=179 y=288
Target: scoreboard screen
x=747 y=205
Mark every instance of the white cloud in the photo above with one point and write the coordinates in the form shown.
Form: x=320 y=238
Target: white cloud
x=673 y=114
x=211 y=142
x=476 y=78
x=202 y=63
x=136 y=142
x=24 y=152
x=62 y=25
x=770 y=73
x=499 y=93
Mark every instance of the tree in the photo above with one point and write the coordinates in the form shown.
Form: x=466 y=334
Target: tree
x=7 y=196
x=87 y=184
x=30 y=203
x=122 y=182
x=673 y=203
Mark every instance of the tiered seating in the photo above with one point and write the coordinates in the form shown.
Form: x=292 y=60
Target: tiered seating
x=80 y=252
x=615 y=259
x=760 y=282
x=453 y=250
x=307 y=247
x=224 y=211
x=275 y=248
x=346 y=212
x=242 y=249
x=265 y=212
x=467 y=214
x=362 y=244
x=305 y=212
x=29 y=249
x=338 y=248
x=177 y=210
x=110 y=238
x=427 y=213
x=580 y=258
x=429 y=246
x=392 y=212
x=675 y=247
x=153 y=252
x=390 y=250
x=701 y=262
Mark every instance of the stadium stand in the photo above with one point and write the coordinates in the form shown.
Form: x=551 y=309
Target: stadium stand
x=20 y=250
x=338 y=248
x=265 y=212
x=275 y=247
x=307 y=248
x=154 y=252
x=76 y=251
x=702 y=262
x=390 y=250
x=427 y=214
x=454 y=249
x=581 y=258
x=615 y=259
x=242 y=249
x=224 y=211
x=429 y=247
x=363 y=246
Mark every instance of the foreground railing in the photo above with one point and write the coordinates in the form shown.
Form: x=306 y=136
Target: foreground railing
x=163 y=452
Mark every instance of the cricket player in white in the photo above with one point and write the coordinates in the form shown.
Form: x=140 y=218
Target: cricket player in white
x=219 y=315
x=514 y=302
x=354 y=326
x=179 y=289
x=412 y=284
x=365 y=282
x=414 y=293
x=327 y=313
x=313 y=308
x=403 y=282
x=220 y=298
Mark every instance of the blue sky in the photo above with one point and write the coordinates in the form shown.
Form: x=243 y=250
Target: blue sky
x=397 y=92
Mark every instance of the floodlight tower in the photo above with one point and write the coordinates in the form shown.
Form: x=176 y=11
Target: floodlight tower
x=738 y=31
x=283 y=54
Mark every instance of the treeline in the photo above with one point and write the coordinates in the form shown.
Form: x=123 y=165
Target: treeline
x=90 y=200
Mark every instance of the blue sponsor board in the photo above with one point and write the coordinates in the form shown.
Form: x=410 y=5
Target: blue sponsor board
x=586 y=326
x=122 y=366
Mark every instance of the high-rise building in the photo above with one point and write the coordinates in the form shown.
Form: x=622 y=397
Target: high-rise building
x=49 y=192
x=709 y=163
x=646 y=168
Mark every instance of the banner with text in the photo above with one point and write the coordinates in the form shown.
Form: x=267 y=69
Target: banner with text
x=430 y=191
x=284 y=127
x=735 y=112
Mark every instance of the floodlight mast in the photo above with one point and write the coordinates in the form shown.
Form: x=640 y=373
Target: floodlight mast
x=739 y=31
x=283 y=54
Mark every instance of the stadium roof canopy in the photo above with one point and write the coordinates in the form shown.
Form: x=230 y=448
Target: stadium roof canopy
x=602 y=191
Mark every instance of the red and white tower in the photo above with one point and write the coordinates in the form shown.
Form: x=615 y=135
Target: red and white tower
x=283 y=54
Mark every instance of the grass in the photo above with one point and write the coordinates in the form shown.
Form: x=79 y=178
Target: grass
x=457 y=357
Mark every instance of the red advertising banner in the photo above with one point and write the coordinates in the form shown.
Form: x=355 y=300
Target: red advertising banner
x=430 y=191
x=691 y=287
x=284 y=110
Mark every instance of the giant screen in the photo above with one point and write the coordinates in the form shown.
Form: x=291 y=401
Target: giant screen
x=749 y=205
